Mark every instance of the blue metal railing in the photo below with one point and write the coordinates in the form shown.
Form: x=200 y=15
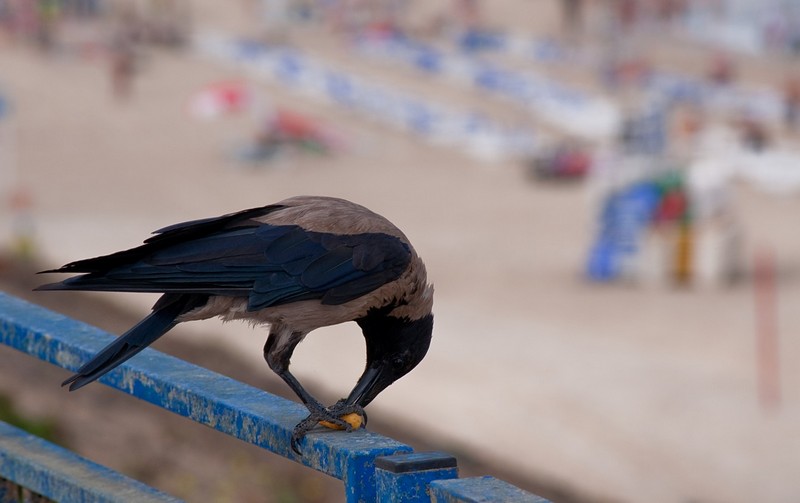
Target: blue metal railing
x=372 y=467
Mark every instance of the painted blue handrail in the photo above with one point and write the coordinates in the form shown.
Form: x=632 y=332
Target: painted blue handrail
x=61 y=475
x=371 y=466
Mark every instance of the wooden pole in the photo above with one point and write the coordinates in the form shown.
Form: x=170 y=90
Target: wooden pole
x=767 y=349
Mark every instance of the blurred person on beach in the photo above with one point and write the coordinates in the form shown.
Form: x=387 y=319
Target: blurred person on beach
x=167 y=23
x=122 y=54
x=468 y=14
x=275 y=20
x=791 y=104
x=572 y=13
x=670 y=12
x=48 y=14
x=753 y=133
x=347 y=17
x=626 y=14
x=722 y=69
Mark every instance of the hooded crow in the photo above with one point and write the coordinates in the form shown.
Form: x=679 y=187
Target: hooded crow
x=297 y=265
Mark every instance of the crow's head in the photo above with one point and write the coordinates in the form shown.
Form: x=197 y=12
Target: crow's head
x=394 y=347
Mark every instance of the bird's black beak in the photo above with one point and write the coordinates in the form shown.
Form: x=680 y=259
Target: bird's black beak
x=367 y=387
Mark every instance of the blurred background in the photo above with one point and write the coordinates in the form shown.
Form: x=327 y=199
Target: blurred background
x=605 y=193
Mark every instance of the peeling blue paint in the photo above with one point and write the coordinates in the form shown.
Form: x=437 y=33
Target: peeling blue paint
x=479 y=490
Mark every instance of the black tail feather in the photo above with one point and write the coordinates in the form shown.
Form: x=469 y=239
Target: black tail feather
x=164 y=316
x=163 y=238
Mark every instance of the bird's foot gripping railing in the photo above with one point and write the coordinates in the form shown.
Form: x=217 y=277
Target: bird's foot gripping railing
x=372 y=467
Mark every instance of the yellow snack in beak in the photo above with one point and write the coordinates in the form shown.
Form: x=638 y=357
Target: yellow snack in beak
x=352 y=419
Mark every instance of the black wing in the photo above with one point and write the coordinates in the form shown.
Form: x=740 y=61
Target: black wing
x=237 y=256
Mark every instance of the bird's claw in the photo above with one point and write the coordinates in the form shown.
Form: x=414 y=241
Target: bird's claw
x=342 y=408
x=331 y=415
x=300 y=431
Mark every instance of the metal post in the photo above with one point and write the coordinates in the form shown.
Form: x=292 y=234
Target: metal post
x=404 y=478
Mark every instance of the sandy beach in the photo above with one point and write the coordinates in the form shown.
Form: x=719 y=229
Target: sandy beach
x=619 y=392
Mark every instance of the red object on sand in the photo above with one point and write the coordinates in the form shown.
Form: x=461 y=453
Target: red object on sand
x=672 y=207
x=294 y=126
x=220 y=98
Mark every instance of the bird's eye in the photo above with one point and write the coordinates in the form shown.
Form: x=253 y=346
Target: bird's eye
x=398 y=363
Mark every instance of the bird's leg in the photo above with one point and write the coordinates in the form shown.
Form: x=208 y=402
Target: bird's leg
x=277 y=352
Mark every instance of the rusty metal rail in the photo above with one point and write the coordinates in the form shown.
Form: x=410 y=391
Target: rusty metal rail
x=371 y=466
